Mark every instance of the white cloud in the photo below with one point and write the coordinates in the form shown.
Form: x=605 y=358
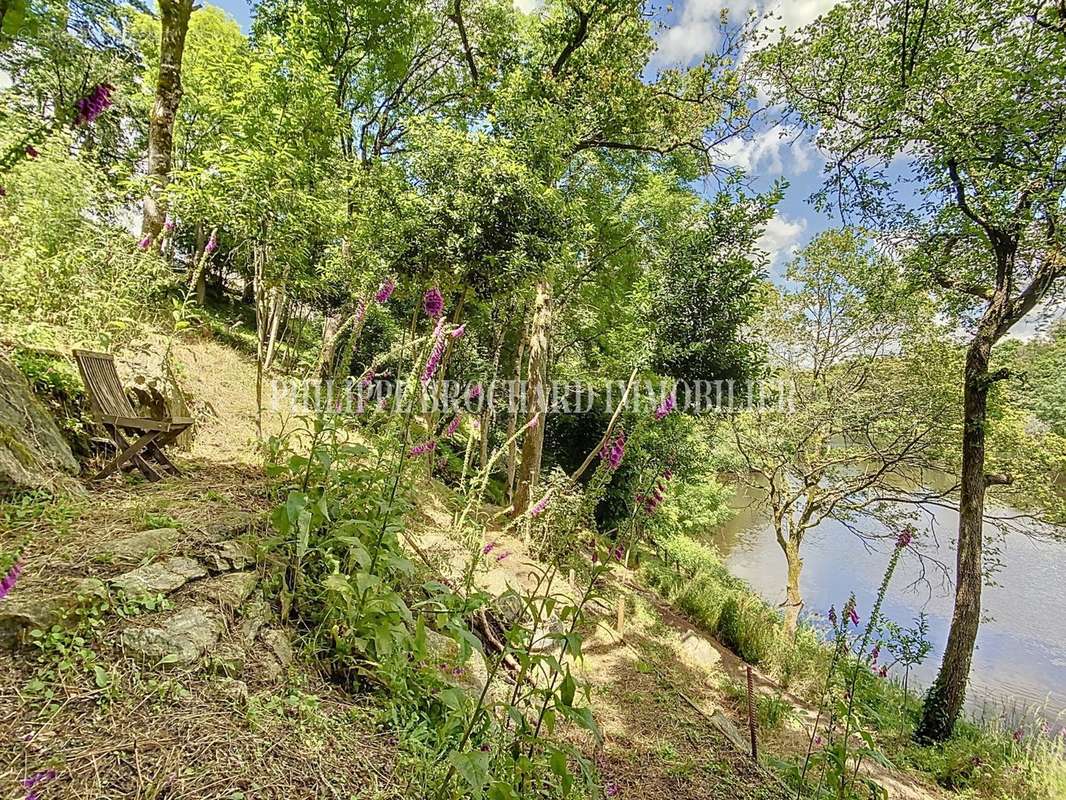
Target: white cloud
x=781 y=239
x=696 y=29
x=773 y=152
x=528 y=6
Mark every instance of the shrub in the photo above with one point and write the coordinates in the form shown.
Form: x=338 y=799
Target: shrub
x=72 y=273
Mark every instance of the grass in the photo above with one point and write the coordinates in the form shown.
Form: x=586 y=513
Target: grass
x=993 y=759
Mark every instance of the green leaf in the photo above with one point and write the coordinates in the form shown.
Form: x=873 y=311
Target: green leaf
x=473 y=766
x=567 y=690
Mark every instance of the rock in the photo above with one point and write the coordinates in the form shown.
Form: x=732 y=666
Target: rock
x=159 y=578
x=229 y=591
x=230 y=523
x=138 y=547
x=183 y=638
x=229 y=555
x=443 y=653
x=226 y=660
x=277 y=656
x=32 y=450
x=697 y=651
x=231 y=689
x=280 y=646
x=19 y=613
x=254 y=616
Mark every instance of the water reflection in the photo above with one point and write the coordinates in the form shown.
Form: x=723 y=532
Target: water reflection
x=1021 y=649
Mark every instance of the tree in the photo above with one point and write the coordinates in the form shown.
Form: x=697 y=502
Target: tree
x=174 y=17
x=967 y=98
x=854 y=426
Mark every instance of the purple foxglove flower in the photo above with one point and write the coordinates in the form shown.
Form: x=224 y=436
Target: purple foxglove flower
x=853 y=615
x=610 y=789
x=475 y=391
x=168 y=225
x=433 y=303
x=458 y=332
x=360 y=312
x=144 y=243
x=38 y=778
x=368 y=378
x=904 y=538
x=436 y=354
x=212 y=243
x=875 y=653
x=666 y=406
x=425 y=447
x=453 y=426
x=503 y=554
x=93 y=104
x=31 y=151
x=540 y=505
x=883 y=672
x=488 y=548
x=385 y=291
x=612 y=453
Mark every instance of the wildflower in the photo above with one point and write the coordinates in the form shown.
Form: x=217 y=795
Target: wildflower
x=833 y=615
x=475 y=391
x=875 y=653
x=540 y=505
x=668 y=473
x=458 y=332
x=38 y=778
x=425 y=447
x=1019 y=734
x=31 y=151
x=368 y=378
x=435 y=355
x=503 y=554
x=144 y=243
x=93 y=104
x=360 y=312
x=488 y=548
x=433 y=303
x=385 y=291
x=610 y=789
x=666 y=406
x=453 y=426
x=818 y=740
x=168 y=224
x=618 y=553
x=212 y=243
x=883 y=672
x=457 y=671
x=613 y=452
x=905 y=537
x=853 y=615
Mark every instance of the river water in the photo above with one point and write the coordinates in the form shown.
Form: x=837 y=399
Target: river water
x=1019 y=667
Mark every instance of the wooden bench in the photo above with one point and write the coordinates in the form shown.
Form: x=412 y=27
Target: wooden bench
x=116 y=418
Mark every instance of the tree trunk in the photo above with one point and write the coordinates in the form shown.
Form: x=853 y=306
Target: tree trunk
x=536 y=398
x=512 y=423
x=793 y=598
x=174 y=16
x=945 y=699
x=331 y=329
x=277 y=311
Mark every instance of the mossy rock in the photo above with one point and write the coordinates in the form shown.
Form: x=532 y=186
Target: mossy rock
x=33 y=452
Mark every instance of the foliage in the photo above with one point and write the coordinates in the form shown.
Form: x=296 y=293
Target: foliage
x=71 y=275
